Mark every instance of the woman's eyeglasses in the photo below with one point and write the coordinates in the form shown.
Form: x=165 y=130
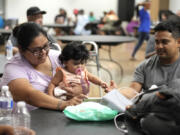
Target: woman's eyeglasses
x=38 y=51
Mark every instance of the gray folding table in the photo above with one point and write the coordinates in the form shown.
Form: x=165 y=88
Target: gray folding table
x=49 y=122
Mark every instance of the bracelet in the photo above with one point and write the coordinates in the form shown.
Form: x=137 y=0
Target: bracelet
x=59 y=105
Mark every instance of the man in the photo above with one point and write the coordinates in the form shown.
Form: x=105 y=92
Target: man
x=150 y=48
x=144 y=27
x=61 y=18
x=162 y=70
x=163 y=67
x=34 y=14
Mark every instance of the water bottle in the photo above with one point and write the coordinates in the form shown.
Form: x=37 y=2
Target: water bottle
x=21 y=119
x=6 y=106
x=9 y=50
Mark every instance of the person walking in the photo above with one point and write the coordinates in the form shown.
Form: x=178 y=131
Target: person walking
x=144 y=27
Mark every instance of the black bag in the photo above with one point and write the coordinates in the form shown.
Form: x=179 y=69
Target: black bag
x=157 y=116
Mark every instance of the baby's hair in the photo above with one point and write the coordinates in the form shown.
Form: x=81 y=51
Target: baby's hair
x=76 y=51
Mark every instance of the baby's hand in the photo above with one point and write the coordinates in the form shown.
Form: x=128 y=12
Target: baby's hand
x=104 y=85
x=111 y=86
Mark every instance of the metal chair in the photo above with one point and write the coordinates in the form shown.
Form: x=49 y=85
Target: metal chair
x=55 y=46
x=95 y=53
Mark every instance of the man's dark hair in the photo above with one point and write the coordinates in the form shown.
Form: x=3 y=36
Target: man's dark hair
x=81 y=11
x=27 y=32
x=75 y=51
x=170 y=26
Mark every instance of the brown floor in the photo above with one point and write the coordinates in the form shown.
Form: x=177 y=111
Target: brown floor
x=2 y=49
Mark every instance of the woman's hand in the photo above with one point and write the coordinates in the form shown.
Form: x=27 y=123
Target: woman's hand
x=73 y=101
x=73 y=89
x=77 y=99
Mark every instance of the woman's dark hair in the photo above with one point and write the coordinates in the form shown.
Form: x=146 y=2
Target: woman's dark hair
x=75 y=51
x=27 y=32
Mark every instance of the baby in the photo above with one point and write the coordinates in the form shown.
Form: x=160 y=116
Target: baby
x=74 y=57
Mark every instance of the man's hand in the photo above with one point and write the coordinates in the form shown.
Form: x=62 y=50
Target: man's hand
x=163 y=95
x=159 y=95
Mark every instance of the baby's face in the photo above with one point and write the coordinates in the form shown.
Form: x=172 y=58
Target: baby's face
x=73 y=65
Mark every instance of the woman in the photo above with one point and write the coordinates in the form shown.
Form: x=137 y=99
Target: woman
x=28 y=73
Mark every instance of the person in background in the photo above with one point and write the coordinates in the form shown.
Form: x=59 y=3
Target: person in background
x=81 y=22
x=110 y=16
x=30 y=71
x=61 y=18
x=178 y=13
x=144 y=27
x=101 y=24
x=102 y=18
x=75 y=13
x=92 y=17
x=109 y=20
x=131 y=27
x=1 y=22
x=34 y=14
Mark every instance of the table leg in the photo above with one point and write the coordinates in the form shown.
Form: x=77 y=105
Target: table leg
x=115 y=62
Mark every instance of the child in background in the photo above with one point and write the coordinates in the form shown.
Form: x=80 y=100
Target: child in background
x=74 y=57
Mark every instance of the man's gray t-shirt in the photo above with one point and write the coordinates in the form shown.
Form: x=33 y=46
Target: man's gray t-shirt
x=150 y=47
x=151 y=72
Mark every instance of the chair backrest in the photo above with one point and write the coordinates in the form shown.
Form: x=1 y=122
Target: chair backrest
x=55 y=46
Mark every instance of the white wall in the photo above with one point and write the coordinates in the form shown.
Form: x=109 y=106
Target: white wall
x=174 y=5
x=17 y=8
